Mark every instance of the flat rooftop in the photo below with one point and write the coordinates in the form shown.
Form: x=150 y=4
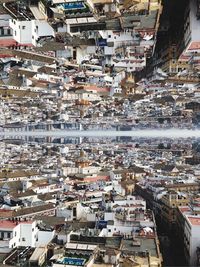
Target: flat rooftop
x=18 y=11
x=146 y=244
x=80 y=246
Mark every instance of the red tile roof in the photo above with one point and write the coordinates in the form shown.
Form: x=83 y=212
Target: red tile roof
x=7 y=42
x=194 y=221
x=96 y=88
x=184 y=209
x=12 y=224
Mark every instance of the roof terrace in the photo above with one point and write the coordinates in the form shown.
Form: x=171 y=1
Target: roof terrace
x=19 y=11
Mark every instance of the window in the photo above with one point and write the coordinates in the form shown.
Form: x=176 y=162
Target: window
x=109 y=230
x=15 y=233
x=23 y=27
x=15 y=33
x=23 y=239
x=8 y=235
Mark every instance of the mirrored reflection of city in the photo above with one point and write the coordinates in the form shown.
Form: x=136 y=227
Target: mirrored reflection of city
x=88 y=199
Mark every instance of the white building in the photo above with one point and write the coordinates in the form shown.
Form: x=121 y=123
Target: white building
x=42 y=188
x=22 y=234
x=191 y=238
x=6 y=38
x=191 y=29
x=126 y=215
x=28 y=32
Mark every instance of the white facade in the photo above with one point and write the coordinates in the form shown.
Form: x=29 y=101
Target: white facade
x=89 y=96
x=65 y=212
x=82 y=52
x=42 y=188
x=5 y=31
x=22 y=234
x=89 y=170
x=69 y=170
x=124 y=41
x=44 y=237
x=122 y=213
x=48 y=78
x=28 y=32
x=191 y=29
x=191 y=238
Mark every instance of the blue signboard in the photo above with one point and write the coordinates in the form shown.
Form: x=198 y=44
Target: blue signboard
x=102 y=224
x=102 y=42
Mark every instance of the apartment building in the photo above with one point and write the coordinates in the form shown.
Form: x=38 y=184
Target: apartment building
x=22 y=233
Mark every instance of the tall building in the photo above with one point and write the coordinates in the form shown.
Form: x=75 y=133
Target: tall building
x=191 y=28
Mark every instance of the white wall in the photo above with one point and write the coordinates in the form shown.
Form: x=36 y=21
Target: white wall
x=81 y=211
x=89 y=96
x=27 y=32
x=24 y=234
x=4 y=246
x=89 y=170
x=195 y=24
x=192 y=233
x=41 y=29
x=80 y=54
x=22 y=31
x=27 y=233
x=109 y=216
x=44 y=237
x=91 y=217
x=91 y=49
x=63 y=237
x=4 y=20
x=65 y=212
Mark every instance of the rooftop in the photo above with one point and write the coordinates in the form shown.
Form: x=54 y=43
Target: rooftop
x=19 y=11
x=12 y=224
x=145 y=244
x=195 y=221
